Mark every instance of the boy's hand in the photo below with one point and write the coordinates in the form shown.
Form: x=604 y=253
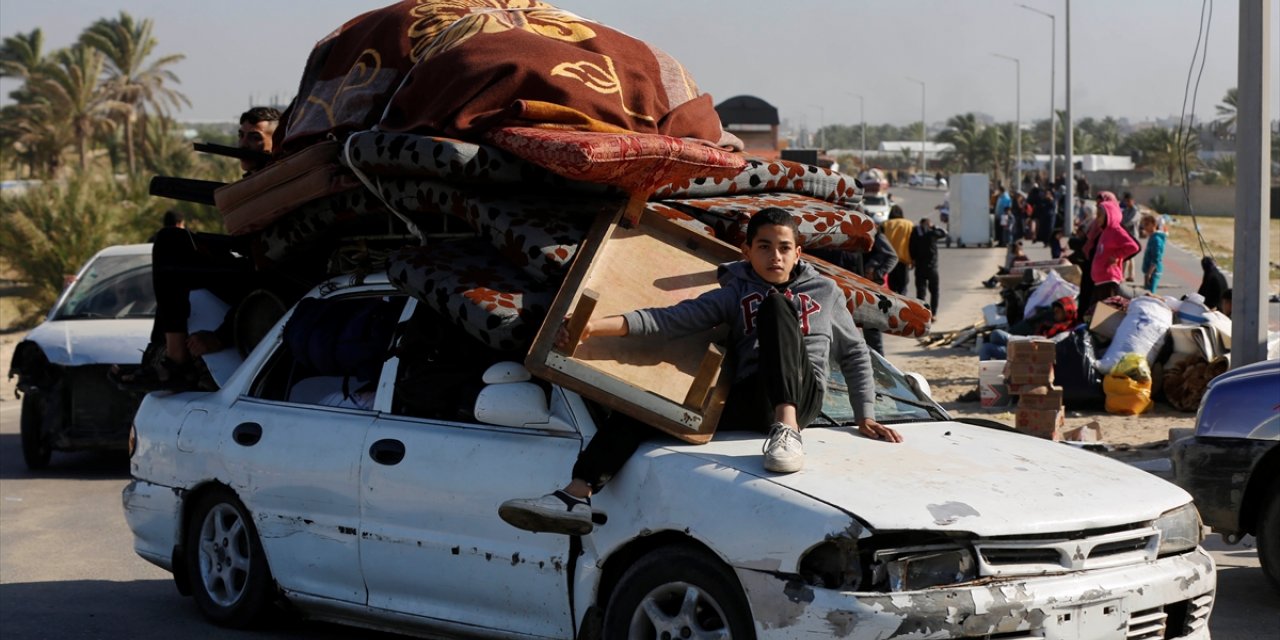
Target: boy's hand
x=876 y=431
x=562 y=334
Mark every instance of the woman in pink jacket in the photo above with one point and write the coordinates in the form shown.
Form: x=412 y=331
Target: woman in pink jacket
x=1110 y=245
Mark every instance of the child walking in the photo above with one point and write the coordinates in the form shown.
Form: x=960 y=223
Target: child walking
x=785 y=320
x=1153 y=257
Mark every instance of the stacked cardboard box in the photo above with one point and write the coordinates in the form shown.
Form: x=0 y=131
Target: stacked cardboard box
x=1029 y=374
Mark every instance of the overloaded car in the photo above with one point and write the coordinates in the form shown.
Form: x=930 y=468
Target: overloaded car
x=363 y=486
x=103 y=319
x=1231 y=463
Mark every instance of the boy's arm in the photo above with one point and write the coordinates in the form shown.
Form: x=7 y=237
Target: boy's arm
x=710 y=309
x=855 y=363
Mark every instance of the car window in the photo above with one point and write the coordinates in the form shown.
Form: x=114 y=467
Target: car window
x=896 y=399
x=111 y=287
x=330 y=352
x=873 y=200
x=441 y=368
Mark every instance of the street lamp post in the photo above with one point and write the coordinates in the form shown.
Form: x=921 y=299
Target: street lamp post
x=1017 y=164
x=1053 y=84
x=1069 y=219
x=862 y=115
x=923 y=126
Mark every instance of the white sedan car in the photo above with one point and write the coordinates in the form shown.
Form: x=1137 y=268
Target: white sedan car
x=372 y=500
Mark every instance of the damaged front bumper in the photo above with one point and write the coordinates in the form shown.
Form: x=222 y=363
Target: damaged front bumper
x=154 y=515
x=1168 y=598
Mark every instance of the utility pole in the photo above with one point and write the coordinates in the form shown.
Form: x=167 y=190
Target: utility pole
x=1017 y=132
x=822 y=118
x=923 y=125
x=1069 y=217
x=862 y=115
x=1053 y=85
x=1253 y=157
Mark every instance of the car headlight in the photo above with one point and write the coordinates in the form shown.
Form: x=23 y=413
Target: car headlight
x=1180 y=530
x=932 y=568
x=133 y=439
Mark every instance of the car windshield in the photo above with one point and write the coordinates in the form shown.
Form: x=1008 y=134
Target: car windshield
x=896 y=400
x=873 y=200
x=112 y=287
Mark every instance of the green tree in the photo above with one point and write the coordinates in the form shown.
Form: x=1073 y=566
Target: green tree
x=135 y=80
x=964 y=132
x=1227 y=110
x=77 y=97
x=1168 y=151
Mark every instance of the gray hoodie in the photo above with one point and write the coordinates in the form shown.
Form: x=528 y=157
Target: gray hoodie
x=825 y=321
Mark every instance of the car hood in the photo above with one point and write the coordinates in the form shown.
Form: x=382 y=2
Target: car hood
x=96 y=341
x=959 y=477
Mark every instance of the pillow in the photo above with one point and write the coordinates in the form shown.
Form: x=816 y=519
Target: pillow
x=875 y=307
x=758 y=176
x=822 y=225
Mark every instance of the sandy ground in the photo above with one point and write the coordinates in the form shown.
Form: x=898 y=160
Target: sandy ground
x=953 y=372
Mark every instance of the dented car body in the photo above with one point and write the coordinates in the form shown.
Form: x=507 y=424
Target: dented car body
x=382 y=514
x=103 y=318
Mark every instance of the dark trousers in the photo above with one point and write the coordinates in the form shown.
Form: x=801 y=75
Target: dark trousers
x=875 y=340
x=927 y=278
x=182 y=262
x=784 y=375
x=898 y=279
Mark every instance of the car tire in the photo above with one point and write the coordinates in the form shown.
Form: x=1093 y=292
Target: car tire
x=680 y=591
x=36 y=450
x=1268 y=530
x=226 y=566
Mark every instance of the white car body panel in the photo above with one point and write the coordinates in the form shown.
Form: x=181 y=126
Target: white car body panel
x=424 y=536
x=74 y=343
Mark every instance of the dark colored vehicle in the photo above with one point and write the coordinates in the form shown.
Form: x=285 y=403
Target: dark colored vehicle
x=1231 y=465
x=103 y=318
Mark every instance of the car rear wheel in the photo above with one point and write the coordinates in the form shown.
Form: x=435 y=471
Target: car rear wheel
x=228 y=570
x=1269 y=536
x=36 y=451
x=678 y=593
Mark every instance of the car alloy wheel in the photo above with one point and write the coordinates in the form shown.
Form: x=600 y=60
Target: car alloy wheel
x=226 y=566
x=677 y=593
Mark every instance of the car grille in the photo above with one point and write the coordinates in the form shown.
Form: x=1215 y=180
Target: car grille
x=97 y=408
x=1098 y=550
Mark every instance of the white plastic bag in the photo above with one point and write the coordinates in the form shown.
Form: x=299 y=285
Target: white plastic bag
x=1142 y=331
x=1049 y=291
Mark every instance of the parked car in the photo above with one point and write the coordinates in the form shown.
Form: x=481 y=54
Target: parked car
x=372 y=500
x=923 y=180
x=1231 y=464
x=103 y=318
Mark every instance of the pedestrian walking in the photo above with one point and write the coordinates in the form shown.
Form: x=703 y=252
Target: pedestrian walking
x=1130 y=219
x=898 y=231
x=1153 y=257
x=1003 y=204
x=924 y=258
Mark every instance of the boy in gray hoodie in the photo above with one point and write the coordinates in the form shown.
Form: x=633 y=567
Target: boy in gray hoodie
x=785 y=320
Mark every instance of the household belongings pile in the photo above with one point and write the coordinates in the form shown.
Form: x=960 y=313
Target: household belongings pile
x=526 y=123
x=1028 y=374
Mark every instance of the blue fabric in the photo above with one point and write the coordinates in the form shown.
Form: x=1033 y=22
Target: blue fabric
x=996 y=347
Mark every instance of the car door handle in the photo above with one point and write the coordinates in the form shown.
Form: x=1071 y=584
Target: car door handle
x=247 y=434
x=387 y=452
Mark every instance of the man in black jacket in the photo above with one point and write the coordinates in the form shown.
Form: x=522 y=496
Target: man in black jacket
x=924 y=257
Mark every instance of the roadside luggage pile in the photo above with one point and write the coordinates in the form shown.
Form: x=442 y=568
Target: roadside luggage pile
x=1028 y=373
x=478 y=144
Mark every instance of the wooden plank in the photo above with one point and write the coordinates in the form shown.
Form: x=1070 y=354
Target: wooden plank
x=705 y=378
x=653 y=264
x=578 y=321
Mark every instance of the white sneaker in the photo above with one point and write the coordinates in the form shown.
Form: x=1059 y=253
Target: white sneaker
x=556 y=512
x=784 y=451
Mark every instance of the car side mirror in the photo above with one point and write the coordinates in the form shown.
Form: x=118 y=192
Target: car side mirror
x=509 y=399
x=919 y=384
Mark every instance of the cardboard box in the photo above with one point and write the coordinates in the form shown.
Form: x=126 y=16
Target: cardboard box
x=1028 y=388
x=1031 y=349
x=1052 y=399
x=1106 y=320
x=1042 y=423
x=1035 y=373
x=1091 y=432
x=992 y=389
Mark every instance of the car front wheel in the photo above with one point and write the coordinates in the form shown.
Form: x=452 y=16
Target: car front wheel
x=1269 y=536
x=36 y=451
x=228 y=570
x=678 y=593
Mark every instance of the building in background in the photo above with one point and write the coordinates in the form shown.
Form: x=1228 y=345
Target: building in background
x=755 y=122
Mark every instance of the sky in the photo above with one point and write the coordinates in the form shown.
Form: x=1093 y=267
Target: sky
x=809 y=58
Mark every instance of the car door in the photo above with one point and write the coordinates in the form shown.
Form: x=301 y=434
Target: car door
x=293 y=446
x=432 y=544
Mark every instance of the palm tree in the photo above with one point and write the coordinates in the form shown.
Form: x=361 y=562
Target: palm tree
x=1170 y=151
x=76 y=97
x=1227 y=111
x=22 y=56
x=136 y=82
x=964 y=132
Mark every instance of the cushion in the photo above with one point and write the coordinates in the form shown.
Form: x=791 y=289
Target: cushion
x=758 y=176
x=822 y=224
x=875 y=307
x=317 y=221
x=681 y=218
x=636 y=163
x=538 y=233
x=264 y=196
x=465 y=281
